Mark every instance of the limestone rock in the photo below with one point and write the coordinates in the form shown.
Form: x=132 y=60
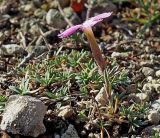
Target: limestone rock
x=23 y=115
x=70 y=132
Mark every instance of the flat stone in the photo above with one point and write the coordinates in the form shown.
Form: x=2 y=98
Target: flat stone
x=23 y=115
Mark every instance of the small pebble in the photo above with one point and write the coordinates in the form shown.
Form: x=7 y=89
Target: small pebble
x=143 y=96
x=154 y=117
x=148 y=71
x=158 y=73
x=148 y=88
x=101 y=97
x=66 y=111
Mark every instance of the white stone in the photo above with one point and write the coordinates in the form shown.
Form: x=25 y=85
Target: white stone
x=149 y=78
x=158 y=73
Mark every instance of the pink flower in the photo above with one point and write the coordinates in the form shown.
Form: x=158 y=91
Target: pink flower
x=86 y=27
x=89 y=23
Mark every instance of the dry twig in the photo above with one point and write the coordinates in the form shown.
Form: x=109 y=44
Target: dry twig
x=62 y=13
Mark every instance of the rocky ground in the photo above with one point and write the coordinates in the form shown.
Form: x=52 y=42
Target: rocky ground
x=51 y=87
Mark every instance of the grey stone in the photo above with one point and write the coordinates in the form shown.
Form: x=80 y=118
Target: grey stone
x=148 y=71
x=11 y=50
x=148 y=88
x=70 y=132
x=156 y=105
x=101 y=97
x=23 y=115
x=149 y=131
x=66 y=111
x=55 y=19
x=143 y=96
x=119 y=55
x=158 y=73
x=154 y=117
x=57 y=136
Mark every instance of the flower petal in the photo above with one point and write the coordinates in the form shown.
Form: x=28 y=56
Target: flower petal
x=94 y=20
x=69 y=31
x=101 y=16
x=90 y=23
